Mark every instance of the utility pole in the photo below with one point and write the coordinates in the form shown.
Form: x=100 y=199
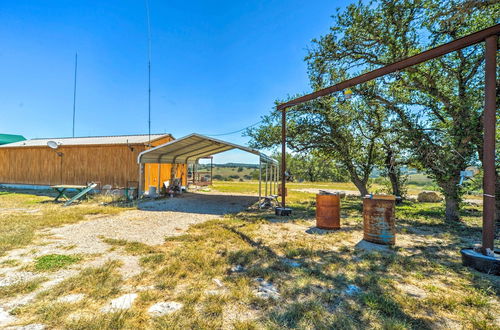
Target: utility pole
x=74 y=94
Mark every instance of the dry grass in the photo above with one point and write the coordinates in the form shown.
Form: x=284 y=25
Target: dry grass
x=419 y=284
x=22 y=214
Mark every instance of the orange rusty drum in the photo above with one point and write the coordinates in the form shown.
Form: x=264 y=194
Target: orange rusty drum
x=378 y=219
x=328 y=211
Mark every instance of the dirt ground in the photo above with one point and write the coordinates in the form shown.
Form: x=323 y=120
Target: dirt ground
x=149 y=224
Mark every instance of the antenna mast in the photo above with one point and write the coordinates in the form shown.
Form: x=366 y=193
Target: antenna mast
x=149 y=73
x=74 y=94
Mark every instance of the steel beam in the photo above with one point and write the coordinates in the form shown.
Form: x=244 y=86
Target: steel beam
x=489 y=125
x=452 y=46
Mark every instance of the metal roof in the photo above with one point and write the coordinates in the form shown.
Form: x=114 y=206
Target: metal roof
x=89 y=140
x=190 y=148
x=10 y=138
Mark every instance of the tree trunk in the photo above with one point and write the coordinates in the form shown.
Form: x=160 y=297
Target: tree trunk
x=392 y=173
x=452 y=200
x=452 y=209
x=363 y=190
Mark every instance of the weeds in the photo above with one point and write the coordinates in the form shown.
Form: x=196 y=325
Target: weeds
x=52 y=262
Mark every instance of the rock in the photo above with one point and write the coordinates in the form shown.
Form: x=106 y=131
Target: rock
x=352 y=290
x=266 y=289
x=291 y=263
x=218 y=282
x=213 y=292
x=71 y=298
x=145 y=288
x=237 y=269
x=120 y=303
x=319 y=231
x=164 y=308
x=368 y=246
x=5 y=317
x=34 y=326
x=429 y=197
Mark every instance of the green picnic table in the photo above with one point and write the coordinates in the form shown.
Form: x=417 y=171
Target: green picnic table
x=82 y=191
x=61 y=189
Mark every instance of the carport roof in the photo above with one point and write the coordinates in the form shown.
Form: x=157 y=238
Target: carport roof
x=190 y=148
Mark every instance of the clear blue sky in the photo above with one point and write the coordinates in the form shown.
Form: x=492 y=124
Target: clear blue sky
x=217 y=66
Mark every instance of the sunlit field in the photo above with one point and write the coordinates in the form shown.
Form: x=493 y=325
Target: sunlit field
x=322 y=279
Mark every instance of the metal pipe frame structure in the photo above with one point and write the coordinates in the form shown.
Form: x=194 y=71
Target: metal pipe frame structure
x=490 y=37
x=268 y=171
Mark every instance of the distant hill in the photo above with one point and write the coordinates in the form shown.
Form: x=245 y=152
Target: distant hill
x=237 y=165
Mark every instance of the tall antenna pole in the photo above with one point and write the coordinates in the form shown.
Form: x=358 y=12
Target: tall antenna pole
x=149 y=73
x=74 y=94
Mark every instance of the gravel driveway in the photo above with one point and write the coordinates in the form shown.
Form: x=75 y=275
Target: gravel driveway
x=153 y=220
x=149 y=224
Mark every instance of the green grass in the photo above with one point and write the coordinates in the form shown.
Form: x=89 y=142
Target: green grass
x=52 y=262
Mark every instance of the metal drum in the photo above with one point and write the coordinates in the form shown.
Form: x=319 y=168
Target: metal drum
x=328 y=211
x=378 y=219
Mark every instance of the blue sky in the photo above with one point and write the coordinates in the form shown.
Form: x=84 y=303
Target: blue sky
x=217 y=66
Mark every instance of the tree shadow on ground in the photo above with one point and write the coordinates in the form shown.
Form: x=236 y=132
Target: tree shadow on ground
x=323 y=300
x=309 y=303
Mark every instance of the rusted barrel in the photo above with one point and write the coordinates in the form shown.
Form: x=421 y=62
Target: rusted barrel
x=328 y=211
x=378 y=219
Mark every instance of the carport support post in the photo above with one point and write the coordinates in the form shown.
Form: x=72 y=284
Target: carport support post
x=489 y=124
x=159 y=179
x=283 y=157
x=265 y=182
x=277 y=177
x=141 y=180
x=260 y=179
x=273 y=174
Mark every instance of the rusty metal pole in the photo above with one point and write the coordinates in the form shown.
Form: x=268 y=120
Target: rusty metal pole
x=283 y=157
x=489 y=126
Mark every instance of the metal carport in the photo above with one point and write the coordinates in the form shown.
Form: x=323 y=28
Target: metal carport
x=189 y=149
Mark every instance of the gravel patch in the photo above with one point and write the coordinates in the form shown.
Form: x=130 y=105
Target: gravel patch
x=5 y=317
x=152 y=222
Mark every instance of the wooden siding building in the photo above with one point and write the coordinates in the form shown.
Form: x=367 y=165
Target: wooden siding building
x=106 y=160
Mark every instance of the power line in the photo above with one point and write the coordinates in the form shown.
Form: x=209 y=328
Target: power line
x=234 y=132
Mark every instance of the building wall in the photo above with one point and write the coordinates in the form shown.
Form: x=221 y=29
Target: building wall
x=77 y=165
x=151 y=170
